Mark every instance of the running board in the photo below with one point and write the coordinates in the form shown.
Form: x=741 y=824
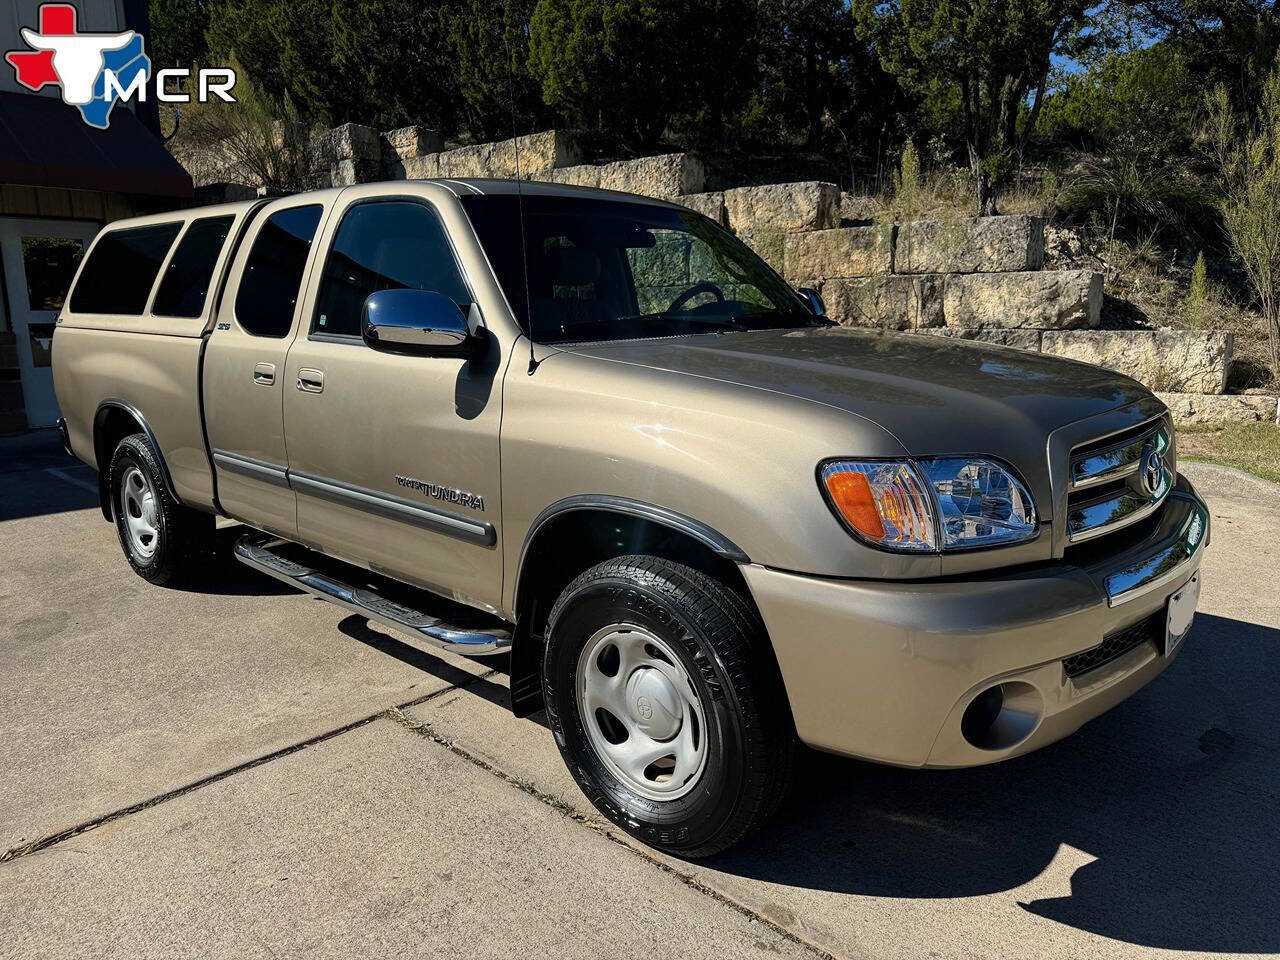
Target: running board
x=265 y=556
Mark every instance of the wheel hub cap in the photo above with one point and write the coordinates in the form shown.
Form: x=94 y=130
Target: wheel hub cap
x=641 y=711
x=138 y=506
x=655 y=708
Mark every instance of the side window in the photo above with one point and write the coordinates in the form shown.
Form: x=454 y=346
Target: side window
x=122 y=269
x=273 y=274
x=190 y=272
x=384 y=245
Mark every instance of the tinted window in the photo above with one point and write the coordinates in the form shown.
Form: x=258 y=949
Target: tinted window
x=269 y=287
x=186 y=280
x=384 y=246
x=122 y=269
x=50 y=264
x=591 y=269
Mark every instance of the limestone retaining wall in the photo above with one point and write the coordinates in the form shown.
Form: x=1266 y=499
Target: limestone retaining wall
x=978 y=279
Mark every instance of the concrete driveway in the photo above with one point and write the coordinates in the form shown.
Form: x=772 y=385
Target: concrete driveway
x=244 y=771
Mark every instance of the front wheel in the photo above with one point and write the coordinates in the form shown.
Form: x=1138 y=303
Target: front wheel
x=665 y=705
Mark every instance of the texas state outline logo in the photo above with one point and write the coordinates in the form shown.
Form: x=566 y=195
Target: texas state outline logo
x=94 y=70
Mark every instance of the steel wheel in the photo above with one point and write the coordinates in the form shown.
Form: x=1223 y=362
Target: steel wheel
x=641 y=711
x=138 y=506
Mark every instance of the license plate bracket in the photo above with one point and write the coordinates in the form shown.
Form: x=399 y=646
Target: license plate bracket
x=1180 y=611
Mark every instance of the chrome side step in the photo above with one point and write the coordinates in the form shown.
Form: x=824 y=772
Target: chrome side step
x=263 y=554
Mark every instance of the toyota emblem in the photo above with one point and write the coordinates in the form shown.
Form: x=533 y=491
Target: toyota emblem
x=1152 y=472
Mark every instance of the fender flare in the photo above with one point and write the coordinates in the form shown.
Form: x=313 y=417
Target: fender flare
x=526 y=670
x=708 y=536
x=99 y=415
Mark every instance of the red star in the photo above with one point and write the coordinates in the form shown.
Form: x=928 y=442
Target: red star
x=35 y=68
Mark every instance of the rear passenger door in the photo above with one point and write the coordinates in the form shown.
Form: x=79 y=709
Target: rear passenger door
x=244 y=365
x=394 y=457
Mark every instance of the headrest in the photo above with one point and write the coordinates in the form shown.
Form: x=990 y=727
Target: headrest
x=573 y=266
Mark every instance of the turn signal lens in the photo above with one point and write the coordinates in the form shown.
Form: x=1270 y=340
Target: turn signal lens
x=884 y=502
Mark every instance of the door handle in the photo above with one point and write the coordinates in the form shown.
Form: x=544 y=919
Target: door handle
x=265 y=374
x=310 y=380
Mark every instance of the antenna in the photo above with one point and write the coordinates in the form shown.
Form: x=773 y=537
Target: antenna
x=524 y=245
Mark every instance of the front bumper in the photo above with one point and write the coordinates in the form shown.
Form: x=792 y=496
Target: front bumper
x=886 y=670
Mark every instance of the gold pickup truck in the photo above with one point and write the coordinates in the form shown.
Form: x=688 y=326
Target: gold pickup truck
x=596 y=433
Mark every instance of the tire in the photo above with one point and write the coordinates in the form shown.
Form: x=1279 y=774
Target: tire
x=162 y=540
x=678 y=643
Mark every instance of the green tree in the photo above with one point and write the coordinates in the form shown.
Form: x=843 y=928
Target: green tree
x=1249 y=161
x=622 y=68
x=490 y=41
x=996 y=53
x=177 y=32
x=1227 y=42
x=391 y=63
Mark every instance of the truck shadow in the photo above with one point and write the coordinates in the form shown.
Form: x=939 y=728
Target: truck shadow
x=1172 y=799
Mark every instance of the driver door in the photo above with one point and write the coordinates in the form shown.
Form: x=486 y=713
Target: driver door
x=394 y=456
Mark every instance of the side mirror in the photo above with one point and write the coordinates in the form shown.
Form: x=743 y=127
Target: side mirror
x=813 y=300
x=417 y=321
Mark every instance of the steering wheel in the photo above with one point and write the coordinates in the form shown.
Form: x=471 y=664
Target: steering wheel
x=698 y=288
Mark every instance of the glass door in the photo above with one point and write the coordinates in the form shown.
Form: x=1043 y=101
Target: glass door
x=39 y=258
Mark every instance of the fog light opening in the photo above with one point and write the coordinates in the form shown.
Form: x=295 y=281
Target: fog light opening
x=1002 y=716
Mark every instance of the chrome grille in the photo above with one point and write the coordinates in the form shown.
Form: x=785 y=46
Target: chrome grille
x=1119 y=480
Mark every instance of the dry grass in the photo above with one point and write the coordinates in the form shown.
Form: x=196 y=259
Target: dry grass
x=1253 y=447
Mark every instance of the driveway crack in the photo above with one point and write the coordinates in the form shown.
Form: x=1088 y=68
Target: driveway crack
x=44 y=843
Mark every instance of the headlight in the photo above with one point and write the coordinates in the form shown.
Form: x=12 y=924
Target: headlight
x=982 y=503
x=946 y=503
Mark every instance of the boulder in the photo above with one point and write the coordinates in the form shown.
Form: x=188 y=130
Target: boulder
x=1006 y=337
x=970 y=245
x=1198 y=408
x=783 y=207
x=535 y=153
x=856 y=209
x=1178 y=361
x=769 y=245
x=1043 y=299
x=583 y=175
x=414 y=141
x=351 y=141
x=346 y=173
x=665 y=264
x=710 y=205
x=889 y=302
x=407 y=143
x=426 y=167
x=839 y=252
x=472 y=161
x=665 y=177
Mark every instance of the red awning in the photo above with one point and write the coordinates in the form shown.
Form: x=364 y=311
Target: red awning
x=45 y=143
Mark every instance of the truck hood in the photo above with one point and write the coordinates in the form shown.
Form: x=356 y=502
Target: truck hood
x=935 y=394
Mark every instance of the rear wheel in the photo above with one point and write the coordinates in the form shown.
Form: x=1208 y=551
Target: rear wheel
x=664 y=704
x=161 y=539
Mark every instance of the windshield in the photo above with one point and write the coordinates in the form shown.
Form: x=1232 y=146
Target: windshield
x=613 y=270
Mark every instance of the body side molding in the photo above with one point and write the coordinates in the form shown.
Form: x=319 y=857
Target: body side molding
x=479 y=532
x=249 y=467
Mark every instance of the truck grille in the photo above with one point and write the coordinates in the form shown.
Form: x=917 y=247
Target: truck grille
x=1116 y=645
x=1119 y=480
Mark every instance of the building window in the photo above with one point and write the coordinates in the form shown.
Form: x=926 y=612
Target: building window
x=50 y=265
